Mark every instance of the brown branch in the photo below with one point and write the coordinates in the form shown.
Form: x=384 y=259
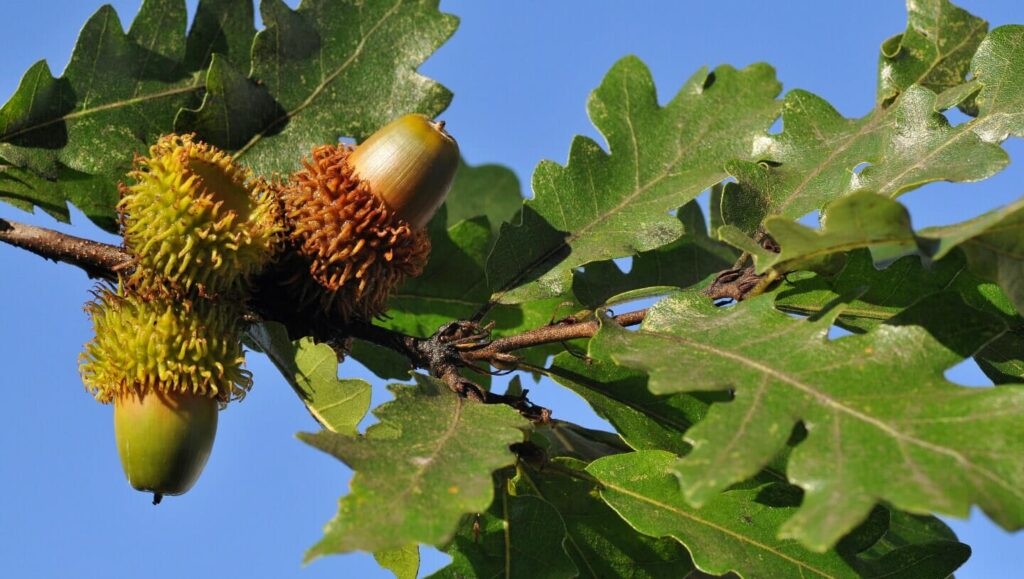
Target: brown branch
x=99 y=260
x=455 y=345
x=555 y=333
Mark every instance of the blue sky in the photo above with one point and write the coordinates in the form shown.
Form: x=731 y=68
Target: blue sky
x=521 y=73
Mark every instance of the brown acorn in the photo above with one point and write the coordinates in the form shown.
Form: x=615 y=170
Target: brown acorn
x=356 y=216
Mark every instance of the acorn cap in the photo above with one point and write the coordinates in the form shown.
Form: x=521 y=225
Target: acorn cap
x=194 y=219
x=349 y=249
x=162 y=345
x=410 y=164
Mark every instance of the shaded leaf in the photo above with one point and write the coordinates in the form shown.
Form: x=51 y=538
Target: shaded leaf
x=559 y=438
x=428 y=462
x=737 y=529
x=882 y=294
x=943 y=446
x=620 y=396
x=335 y=69
x=234 y=108
x=119 y=92
x=491 y=191
x=312 y=371
x=453 y=286
x=222 y=27
x=600 y=543
x=680 y=264
x=993 y=242
x=517 y=537
x=607 y=205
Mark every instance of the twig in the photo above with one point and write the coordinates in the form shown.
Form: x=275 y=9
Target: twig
x=455 y=345
x=558 y=332
x=98 y=260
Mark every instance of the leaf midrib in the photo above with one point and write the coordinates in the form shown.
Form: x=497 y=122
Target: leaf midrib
x=323 y=83
x=710 y=524
x=102 y=108
x=837 y=405
x=601 y=217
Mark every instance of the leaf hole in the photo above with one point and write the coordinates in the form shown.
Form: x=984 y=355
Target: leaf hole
x=835 y=332
x=860 y=167
x=776 y=127
x=625 y=264
x=968 y=373
x=956 y=117
x=347 y=141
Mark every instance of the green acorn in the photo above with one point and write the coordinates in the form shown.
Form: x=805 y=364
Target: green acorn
x=167 y=367
x=195 y=220
x=356 y=216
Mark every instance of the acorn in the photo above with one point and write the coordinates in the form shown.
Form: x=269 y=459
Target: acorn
x=195 y=220
x=167 y=367
x=356 y=216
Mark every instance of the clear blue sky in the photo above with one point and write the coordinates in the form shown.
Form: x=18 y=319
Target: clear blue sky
x=521 y=73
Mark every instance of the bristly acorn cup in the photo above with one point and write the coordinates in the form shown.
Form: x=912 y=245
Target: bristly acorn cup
x=196 y=221
x=356 y=216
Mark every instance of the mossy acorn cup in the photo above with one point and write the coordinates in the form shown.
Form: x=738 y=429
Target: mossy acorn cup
x=167 y=366
x=356 y=217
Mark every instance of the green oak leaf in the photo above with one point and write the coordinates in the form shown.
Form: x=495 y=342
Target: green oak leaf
x=87 y=122
x=312 y=371
x=427 y=463
x=334 y=68
x=999 y=66
x=882 y=294
x=680 y=264
x=935 y=446
x=935 y=50
x=816 y=157
x=404 y=562
x=491 y=191
x=620 y=396
x=607 y=205
x=813 y=160
x=992 y=242
x=519 y=536
x=598 y=540
x=222 y=27
x=737 y=530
